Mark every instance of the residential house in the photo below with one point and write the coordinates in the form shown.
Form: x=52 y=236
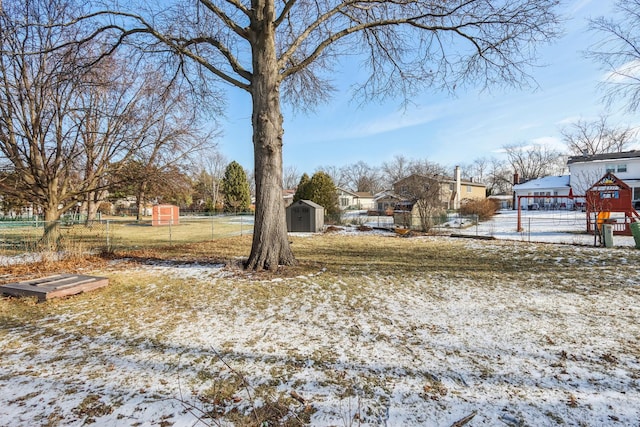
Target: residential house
x=504 y=201
x=354 y=200
x=544 y=193
x=385 y=202
x=451 y=191
x=586 y=170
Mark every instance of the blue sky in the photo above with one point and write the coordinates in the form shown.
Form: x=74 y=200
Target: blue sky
x=442 y=128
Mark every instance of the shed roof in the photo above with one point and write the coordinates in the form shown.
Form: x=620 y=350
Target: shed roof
x=306 y=202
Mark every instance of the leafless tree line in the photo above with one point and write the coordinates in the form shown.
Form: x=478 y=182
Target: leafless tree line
x=73 y=128
x=528 y=161
x=287 y=52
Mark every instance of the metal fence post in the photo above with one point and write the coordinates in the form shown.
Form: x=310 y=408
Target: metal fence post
x=108 y=242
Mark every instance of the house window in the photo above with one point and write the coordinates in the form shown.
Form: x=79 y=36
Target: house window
x=469 y=189
x=636 y=193
x=450 y=187
x=344 y=202
x=616 y=168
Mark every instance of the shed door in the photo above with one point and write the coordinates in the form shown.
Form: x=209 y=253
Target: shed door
x=300 y=218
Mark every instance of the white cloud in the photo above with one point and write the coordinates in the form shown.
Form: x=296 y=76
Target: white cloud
x=397 y=120
x=550 y=141
x=624 y=73
x=569 y=120
x=579 y=5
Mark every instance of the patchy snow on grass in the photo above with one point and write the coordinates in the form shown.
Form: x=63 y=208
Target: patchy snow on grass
x=167 y=344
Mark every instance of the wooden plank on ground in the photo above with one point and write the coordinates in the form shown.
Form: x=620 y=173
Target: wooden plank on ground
x=56 y=286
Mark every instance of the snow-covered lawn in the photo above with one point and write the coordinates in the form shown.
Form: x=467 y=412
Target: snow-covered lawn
x=560 y=226
x=375 y=330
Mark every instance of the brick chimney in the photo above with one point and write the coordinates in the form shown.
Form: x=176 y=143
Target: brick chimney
x=456 y=201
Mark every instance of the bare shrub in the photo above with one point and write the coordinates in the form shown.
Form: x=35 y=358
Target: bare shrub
x=485 y=208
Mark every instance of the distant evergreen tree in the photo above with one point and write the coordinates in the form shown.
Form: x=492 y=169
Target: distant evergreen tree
x=319 y=189
x=323 y=192
x=235 y=186
x=303 y=192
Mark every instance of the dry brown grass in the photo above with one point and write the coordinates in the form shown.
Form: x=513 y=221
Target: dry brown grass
x=339 y=255
x=48 y=266
x=118 y=234
x=143 y=308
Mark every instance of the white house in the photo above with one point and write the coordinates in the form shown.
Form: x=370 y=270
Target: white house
x=354 y=199
x=586 y=170
x=539 y=191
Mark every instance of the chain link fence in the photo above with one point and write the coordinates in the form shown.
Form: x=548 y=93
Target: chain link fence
x=19 y=237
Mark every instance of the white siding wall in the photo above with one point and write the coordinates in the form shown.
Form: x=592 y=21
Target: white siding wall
x=541 y=193
x=584 y=175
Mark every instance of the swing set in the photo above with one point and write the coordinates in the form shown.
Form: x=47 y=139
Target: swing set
x=610 y=195
x=608 y=201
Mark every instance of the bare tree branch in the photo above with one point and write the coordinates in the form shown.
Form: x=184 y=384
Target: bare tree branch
x=619 y=53
x=597 y=137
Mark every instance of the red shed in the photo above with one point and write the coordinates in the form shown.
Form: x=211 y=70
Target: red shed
x=165 y=215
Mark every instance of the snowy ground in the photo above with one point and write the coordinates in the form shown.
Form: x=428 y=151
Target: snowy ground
x=562 y=226
x=541 y=226
x=556 y=343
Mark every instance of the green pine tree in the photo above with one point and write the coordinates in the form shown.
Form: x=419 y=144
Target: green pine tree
x=323 y=192
x=235 y=187
x=303 y=192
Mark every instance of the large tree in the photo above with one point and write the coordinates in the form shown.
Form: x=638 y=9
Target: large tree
x=303 y=190
x=323 y=192
x=173 y=137
x=532 y=161
x=584 y=137
x=362 y=177
x=209 y=179
x=401 y=167
x=395 y=169
x=288 y=50
x=618 y=51
x=62 y=125
x=235 y=187
x=425 y=193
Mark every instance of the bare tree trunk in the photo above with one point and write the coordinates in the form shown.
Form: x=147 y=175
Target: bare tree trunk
x=140 y=200
x=51 y=227
x=94 y=199
x=270 y=246
x=140 y=205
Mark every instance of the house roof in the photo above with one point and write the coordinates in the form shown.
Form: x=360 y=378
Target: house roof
x=359 y=194
x=544 y=182
x=607 y=156
x=364 y=194
x=443 y=179
x=387 y=194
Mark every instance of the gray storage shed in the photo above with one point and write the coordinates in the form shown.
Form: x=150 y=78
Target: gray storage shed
x=305 y=216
